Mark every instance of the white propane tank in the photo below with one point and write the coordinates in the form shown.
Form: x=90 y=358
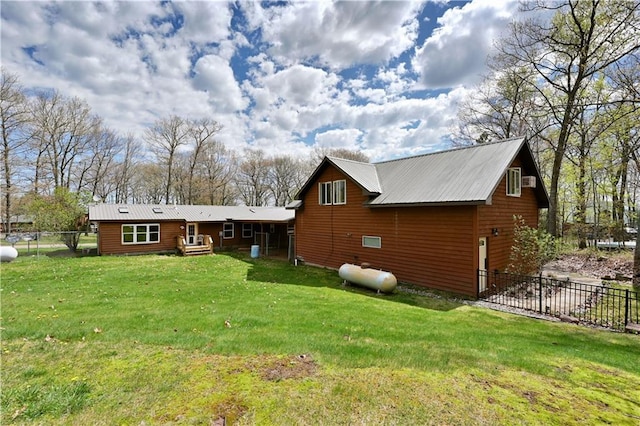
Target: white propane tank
x=371 y=278
x=7 y=254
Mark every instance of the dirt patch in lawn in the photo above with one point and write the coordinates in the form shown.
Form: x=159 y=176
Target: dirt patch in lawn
x=296 y=367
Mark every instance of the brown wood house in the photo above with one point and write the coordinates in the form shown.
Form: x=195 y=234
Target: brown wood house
x=153 y=228
x=432 y=220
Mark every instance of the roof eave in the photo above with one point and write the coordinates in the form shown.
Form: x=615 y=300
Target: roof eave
x=430 y=204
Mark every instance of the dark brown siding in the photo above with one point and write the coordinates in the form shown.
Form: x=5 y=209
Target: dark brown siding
x=110 y=239
x=500 y=215
x=277 y=239
x=433 y=246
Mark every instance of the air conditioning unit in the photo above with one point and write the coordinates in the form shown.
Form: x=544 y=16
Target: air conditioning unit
x=528 y=181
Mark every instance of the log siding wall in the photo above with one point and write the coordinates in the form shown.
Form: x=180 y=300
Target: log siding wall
x=110 y=236
x=435 y=247
x=500 y=215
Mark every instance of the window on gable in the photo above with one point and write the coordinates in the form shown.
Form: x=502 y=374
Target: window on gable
x=227 y=230
x=339 y=192
x=514 y=182
x=141 y=233
x=324 y=189
x=332 y=192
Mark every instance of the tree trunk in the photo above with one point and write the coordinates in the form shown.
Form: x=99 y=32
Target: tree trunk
x=581 y=208
x=636 y=257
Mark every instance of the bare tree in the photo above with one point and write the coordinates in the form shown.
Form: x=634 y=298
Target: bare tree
x=96 y=171
x=148 y=184
x=284 y=178
x=125 y=169
x=219 y=167
x=13 y=113
x=252 y=179
x=200 y=136
x=61 y=131
x=165 y=137
x=319 y=154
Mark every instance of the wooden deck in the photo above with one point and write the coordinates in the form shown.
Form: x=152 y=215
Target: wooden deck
x=204 y=246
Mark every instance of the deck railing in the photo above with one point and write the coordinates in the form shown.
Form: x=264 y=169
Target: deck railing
x=204 y=246
x=602 y=305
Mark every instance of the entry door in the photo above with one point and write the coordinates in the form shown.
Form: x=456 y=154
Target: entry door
x=192 y=232
x=482 y=264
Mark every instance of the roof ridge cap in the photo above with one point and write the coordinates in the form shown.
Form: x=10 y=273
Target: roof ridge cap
x=458 y=148
x=347 y=159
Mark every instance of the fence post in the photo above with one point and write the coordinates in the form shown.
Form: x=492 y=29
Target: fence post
x=540 y=293
x=626 y=307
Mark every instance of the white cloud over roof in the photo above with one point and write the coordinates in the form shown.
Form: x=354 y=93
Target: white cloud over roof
x=383 y=77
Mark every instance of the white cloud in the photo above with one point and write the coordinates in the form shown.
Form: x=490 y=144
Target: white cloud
x=457 y=51
x=340 y=138
x=331 y=74
x=205 y=22
x=214 y=76
x=337 y=34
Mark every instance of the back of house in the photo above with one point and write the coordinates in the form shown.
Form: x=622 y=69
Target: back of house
x=432 y=220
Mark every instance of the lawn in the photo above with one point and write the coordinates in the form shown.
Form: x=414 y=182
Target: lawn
x=198 y=340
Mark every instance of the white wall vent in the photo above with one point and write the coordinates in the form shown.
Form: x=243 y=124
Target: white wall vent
x=528 y=181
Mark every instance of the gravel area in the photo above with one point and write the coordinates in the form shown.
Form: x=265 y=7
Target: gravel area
x=584 y=267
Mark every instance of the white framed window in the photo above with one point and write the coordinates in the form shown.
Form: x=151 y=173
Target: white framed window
x=372 y=242
x=514 y=182
x=228 y=230
x=324 y=190
x=141 y=233
x=332 y=192
x=247 y=230
x=339 y=192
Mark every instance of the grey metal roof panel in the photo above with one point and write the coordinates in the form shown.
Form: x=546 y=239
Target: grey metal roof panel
x=160 y=212
x=463 y=175
x=364 y=174
x=293 y=205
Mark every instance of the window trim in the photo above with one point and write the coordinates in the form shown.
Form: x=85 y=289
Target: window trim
x=329 y=191
x=136 y=232
x=325 y=193
x=225 y=231
x=249 y=227
x=372 y=237
x=340 y=191
x=514 y=182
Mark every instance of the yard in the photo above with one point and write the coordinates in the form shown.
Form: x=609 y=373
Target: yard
x=224 y=338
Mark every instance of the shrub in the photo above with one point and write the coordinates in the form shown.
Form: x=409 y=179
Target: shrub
x=531 y=248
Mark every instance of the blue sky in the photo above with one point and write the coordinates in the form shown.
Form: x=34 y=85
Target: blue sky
x=286 y=77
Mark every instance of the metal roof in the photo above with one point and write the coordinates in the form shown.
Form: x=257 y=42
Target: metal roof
x=364 y=174
x=467 y=175
x=464 y=175
x=163 y=212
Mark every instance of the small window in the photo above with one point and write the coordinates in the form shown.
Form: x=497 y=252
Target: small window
x=123 y=209
x=339 y=192
x=157 y=210
x=141 y=233
x=227 y=231
x=324 y=189
x=247 y=230
x=373 y=242
x=514 y=182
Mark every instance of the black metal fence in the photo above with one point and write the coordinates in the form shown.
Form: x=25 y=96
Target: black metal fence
x=602 y=305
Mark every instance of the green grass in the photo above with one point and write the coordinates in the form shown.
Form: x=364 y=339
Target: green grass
x=166 y=339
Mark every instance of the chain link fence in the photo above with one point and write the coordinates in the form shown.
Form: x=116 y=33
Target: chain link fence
x=45 y=243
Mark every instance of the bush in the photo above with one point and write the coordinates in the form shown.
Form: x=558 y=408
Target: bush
x=531 y=248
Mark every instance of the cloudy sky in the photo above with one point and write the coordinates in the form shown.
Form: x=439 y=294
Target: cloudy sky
x=380 y=77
